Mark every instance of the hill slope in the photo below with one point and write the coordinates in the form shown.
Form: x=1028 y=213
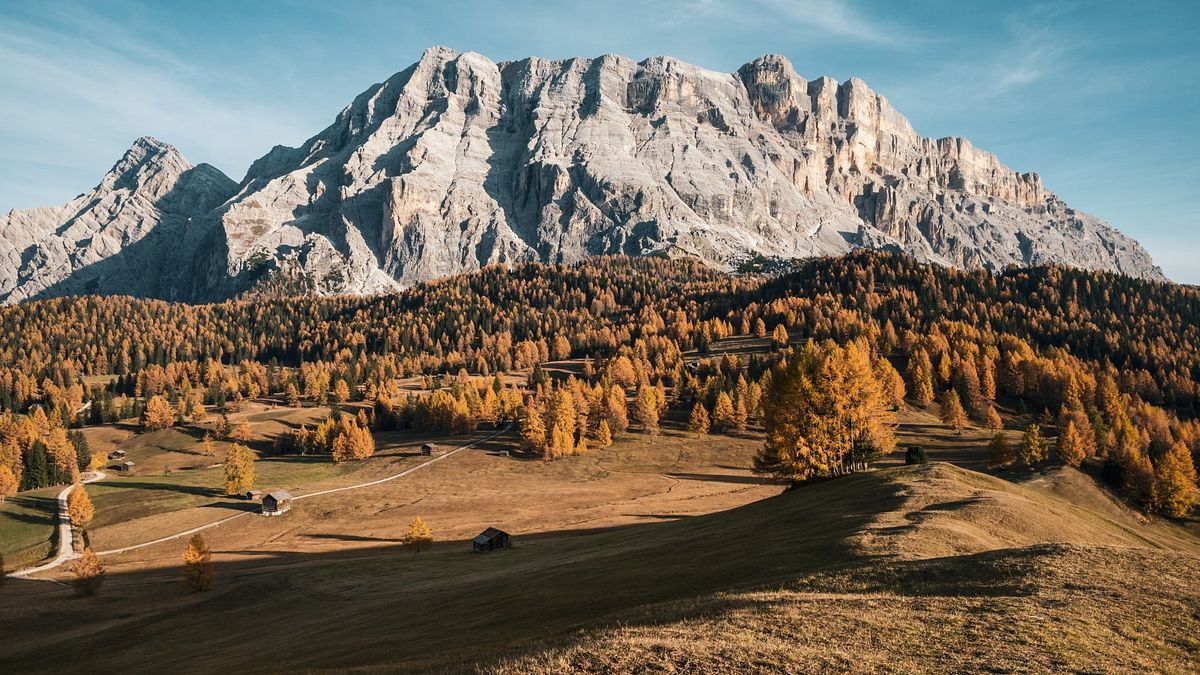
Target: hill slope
x=933 y=566
x=458 y=162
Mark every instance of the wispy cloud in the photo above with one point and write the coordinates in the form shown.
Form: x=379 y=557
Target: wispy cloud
x=76 y=80
x=837 y=19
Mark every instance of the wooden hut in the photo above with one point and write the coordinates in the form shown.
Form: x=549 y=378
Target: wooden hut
x=428 y=448
x=127 y=467
x=276 y=503
x=253 y=494
x=116 y=454
x=490 y=540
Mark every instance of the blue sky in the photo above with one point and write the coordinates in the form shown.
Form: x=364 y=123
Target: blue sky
x=1099 y=97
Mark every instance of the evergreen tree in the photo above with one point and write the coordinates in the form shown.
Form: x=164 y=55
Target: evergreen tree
x=198 y=569
x=1000 y=452
x=83 y=453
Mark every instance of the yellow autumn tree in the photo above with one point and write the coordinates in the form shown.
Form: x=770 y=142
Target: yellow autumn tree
x=645 y=409
x=992 y=420
x=1070 y=446
x=88 y=573
x=8 y=483
x=825 y=413
x=953 y=414
x=779 y=338
x=239 y=469
x=79 y=506
x=698 y=420
x=198 y=572
x=603 y=434
x=1034 y=449
x=353 y=442
x=1173 y=488
x=157 y=414
x=419 y=536
x=723 y=413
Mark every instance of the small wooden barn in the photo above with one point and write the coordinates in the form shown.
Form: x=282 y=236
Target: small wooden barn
x=428 y=448
x=127 y=467
x=252 y=494
x=116 y=454
x=276 y=503
x=490 y=540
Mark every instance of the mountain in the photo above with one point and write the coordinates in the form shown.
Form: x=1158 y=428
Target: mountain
x=458 y=162
x=129 y=234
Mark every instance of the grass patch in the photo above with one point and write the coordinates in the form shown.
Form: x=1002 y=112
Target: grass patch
x=27 y=526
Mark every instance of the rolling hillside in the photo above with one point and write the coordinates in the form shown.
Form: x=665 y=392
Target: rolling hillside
x=929 y=567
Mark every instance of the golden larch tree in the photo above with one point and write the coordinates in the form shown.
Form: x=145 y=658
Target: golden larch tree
x=698 y=419
x=1070 y=446
x=239 y=469
x=1173 y=489
x=88 y=573
x=79 y=506
x=603 y=434
x=953 y=414
x=8 y=483
x=723 y=413
x=157 y=414
x=419 y=536
x=1034 y=449
x=198 y=570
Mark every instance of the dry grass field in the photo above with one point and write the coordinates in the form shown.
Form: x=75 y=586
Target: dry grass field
x=658 y=554
x=925 y=568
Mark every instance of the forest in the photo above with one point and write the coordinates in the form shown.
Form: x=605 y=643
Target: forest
x=1108 y=362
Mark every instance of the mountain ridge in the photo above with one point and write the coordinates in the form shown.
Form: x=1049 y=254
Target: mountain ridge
x=457 y=162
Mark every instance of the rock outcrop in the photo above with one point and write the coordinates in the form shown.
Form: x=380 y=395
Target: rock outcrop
x=458 y=162
x=134 y=233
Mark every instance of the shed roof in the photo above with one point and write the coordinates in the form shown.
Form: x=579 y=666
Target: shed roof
x=487 y=534
x=278 y=495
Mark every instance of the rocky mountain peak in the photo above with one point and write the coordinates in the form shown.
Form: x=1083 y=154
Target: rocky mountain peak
x=458 y=162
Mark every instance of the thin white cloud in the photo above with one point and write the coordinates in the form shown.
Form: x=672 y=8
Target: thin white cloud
x=71 y=63
x=836 y=19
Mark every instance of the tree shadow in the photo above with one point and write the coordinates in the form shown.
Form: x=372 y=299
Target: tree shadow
x=164 y=487
x=722 y=478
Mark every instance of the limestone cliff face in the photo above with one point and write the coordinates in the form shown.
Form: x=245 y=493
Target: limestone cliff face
x=458 y=162
x=134 y=233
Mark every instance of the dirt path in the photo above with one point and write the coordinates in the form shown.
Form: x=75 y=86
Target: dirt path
x=70 y=554
x=66 y=532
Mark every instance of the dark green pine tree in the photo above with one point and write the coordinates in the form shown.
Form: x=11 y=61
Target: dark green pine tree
x=83 y=453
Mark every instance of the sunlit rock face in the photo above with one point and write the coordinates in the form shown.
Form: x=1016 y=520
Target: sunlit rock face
x=459 y=162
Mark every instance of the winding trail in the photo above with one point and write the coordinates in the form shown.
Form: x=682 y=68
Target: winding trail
x=66 y=533
x=70 y=554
